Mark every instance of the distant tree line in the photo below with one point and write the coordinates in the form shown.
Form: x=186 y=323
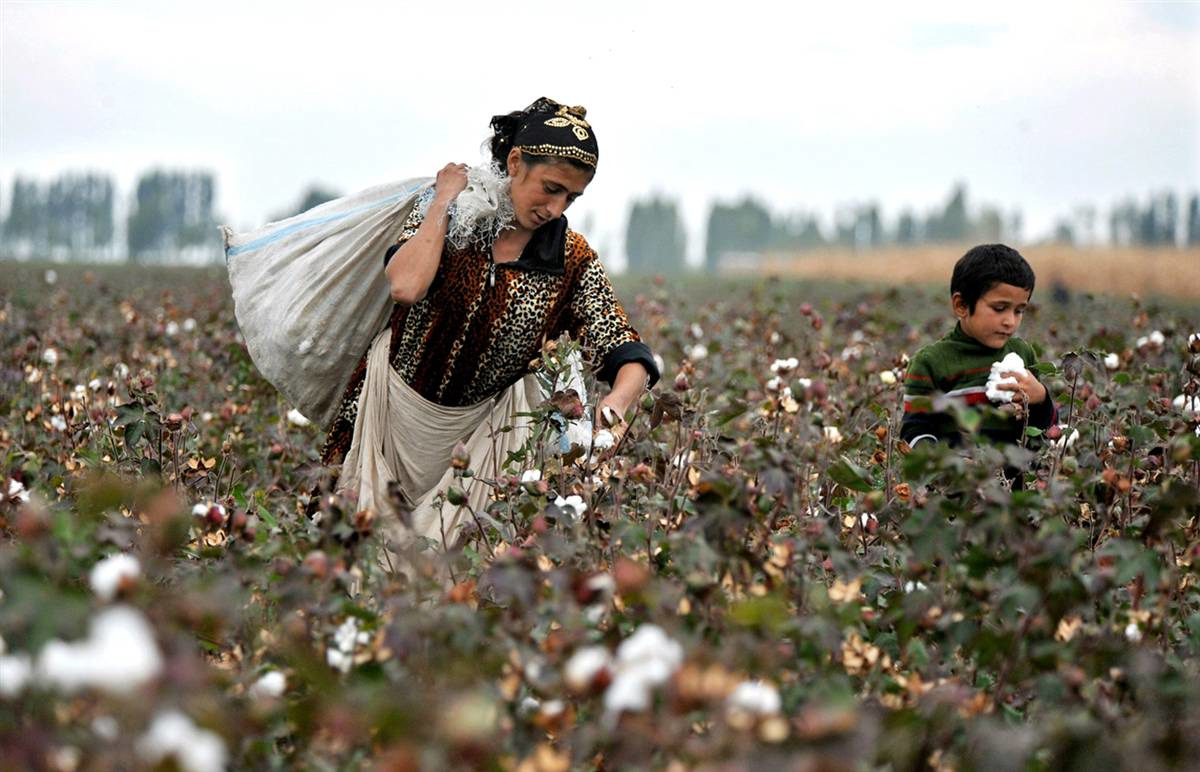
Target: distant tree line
x=75 y=217
x=171 y=213
x=744 y=229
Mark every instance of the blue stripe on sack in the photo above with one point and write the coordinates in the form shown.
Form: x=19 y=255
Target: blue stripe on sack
x=264 y=240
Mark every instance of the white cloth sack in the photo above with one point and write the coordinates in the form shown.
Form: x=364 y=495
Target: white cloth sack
x=310 y=293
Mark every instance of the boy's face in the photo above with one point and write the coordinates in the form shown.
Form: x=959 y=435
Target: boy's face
x=997 y=314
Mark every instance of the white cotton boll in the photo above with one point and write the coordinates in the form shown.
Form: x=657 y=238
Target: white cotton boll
x=347 y=635
x=573 y=505
x=110 y=573
x=206 y=416
x=17 y=491
x=1011 y=363
x=755 y=697
x=1066 y=439
x=59 y=423
x=888 y=377
x=650 y=645
x=784 y=366
x=1188 y=405
x=173 y=735
x=627 y=692
x=119 y=655
x=95 y=384
x=585 y=665
x=50 y=357
x=79 y=392
x=296 y=418
x=603 y=440
x=644 y=660
x=106 y=728
x=911 y=586
x=121 y=371
x=51 y=276
x=579 y=432
x=1112 y=361
x=697 y=352
x=602 y=583
x=1133 y=632
x=697 y=331
x=531 y=475
x=774 y=338
x=832 y=434
x=34 y=376
x=15 y=672
x=528 y=707
x=269 y=685
x=189 y=324
x=338 y=660
x=199 y=510
x=172 y=328
x=1154 y=340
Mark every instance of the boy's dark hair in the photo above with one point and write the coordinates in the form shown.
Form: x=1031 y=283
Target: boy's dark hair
x=985 y=266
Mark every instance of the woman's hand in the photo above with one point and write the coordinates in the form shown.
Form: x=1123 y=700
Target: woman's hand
x=451 y=180
x=627 y=387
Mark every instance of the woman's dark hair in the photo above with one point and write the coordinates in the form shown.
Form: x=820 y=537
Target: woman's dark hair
x=504 y=131
x=985 y=266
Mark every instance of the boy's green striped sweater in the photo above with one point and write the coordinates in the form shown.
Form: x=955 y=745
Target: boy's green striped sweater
x=958 y=366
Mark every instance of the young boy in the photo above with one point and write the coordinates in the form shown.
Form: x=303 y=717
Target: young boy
x=989 y=291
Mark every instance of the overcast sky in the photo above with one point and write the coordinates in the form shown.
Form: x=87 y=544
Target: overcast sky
x=1041 y=106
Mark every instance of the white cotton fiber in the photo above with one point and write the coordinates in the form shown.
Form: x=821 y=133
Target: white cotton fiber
x=1012 y=363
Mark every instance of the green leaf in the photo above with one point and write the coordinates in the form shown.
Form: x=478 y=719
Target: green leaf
x=133 y=433
x=266 y=516
x=846 y=473
x=128 y=413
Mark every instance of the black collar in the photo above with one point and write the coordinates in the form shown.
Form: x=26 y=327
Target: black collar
x=545 y=250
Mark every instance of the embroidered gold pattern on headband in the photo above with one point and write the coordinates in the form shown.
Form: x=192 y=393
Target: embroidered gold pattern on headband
x=573 y=117
x=561 y=152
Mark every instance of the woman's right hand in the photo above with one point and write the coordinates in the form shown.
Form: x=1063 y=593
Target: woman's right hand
x=451 y=181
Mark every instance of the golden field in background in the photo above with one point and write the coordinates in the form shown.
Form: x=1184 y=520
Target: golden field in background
x=1173 y=272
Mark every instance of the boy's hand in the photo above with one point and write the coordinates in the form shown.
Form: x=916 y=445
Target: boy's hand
x=1028 y=389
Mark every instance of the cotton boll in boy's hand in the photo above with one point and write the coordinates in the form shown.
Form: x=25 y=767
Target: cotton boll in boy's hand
x=1012 y=363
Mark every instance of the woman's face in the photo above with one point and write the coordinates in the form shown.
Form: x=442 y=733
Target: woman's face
x=542 y=192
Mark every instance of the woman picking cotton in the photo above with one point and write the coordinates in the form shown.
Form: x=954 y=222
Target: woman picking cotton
x=476 y=296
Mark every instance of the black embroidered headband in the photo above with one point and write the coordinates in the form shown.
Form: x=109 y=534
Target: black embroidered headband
x=557 y=130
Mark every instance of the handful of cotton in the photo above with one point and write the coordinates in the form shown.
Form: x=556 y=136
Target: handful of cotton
x=1012 y=363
